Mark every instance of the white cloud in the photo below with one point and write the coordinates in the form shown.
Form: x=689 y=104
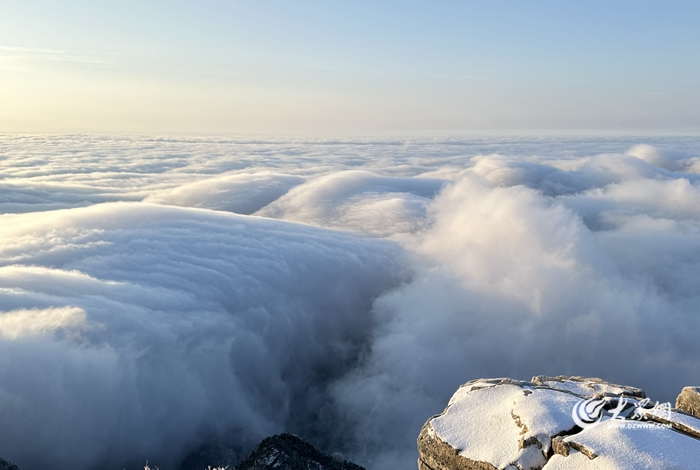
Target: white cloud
x=207 y=321
x=359 y=201
x=241 y=193
x=512 y=283
x=507 y=257
x=23 y=322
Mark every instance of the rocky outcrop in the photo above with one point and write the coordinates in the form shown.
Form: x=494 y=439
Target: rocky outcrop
x=290 y=452
x=689 y=401
x=557 y=423
x=7 y=465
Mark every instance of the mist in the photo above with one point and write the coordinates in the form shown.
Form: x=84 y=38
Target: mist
x=159 y=293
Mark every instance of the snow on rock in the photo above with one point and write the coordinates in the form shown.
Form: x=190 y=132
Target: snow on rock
x=506 y=424
x=586 y=386
x=629 y=446
x=520 y=416
x=678 y=420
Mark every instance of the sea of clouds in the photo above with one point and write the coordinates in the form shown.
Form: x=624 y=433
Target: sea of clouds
x=158 y=293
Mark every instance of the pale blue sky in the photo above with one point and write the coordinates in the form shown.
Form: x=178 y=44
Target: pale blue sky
x=360 y=67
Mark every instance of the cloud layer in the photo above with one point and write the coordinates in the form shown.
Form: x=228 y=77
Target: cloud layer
x=131 y=330
x=164 y=319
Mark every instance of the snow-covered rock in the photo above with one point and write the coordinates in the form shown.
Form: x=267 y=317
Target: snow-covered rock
x=557 y=423
x=587 y=386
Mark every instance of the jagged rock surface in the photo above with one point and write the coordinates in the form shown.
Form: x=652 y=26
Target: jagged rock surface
x=504 y=424
x=7 y=465
x=290 y=452
x=689 y=401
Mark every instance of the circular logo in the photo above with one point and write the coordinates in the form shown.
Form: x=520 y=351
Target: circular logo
x=588 y=413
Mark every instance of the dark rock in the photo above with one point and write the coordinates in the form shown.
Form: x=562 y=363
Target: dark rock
x=7 y=465
x=290 y=452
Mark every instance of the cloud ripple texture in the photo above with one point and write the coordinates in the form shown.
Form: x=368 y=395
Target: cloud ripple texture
x=159 y=293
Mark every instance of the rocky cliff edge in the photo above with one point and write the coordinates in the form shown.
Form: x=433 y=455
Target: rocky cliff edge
x=558 y=423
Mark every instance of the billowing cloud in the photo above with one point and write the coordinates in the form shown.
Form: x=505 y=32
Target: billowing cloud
x=358 y=201
x=153 y=327
x=513 y=283
x=22 y=322
x=241 y=193
x=195 y=322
